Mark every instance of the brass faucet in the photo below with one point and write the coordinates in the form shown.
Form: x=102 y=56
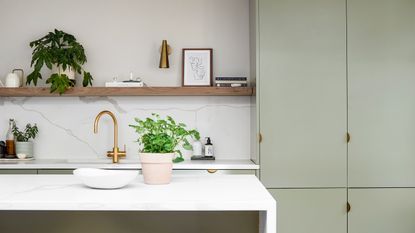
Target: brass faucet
x=116 y=154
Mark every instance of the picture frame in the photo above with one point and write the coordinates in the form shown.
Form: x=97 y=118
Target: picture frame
x=197 y=67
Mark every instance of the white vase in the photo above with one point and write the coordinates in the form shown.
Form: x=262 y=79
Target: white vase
x=157 y=167
x=24 y=148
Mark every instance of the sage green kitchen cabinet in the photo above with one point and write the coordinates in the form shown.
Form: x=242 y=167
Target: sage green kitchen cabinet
x=382 y=210
x=311 y=210
x=17 y=172
x=214 y=172
x=381 y=51
x=302 y=93
x=54 y=171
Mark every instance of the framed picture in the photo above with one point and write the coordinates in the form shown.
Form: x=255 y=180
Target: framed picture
x=197 y=67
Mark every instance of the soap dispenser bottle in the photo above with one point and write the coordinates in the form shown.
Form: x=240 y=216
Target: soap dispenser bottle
x=208 y=148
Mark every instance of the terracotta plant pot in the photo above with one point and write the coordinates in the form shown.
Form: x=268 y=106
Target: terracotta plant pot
x=157 y=168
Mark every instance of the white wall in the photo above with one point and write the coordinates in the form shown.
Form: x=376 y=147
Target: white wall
x=125 y=35
x=122 y=36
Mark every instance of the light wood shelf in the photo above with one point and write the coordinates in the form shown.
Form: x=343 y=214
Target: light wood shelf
x=128 y=91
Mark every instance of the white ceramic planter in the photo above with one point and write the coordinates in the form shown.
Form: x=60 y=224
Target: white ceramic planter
x=24 y=148
x=157 y=168
x=69 y=71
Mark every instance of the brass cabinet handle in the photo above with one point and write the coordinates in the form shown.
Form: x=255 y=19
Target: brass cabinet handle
x=211 y=171
x=349 y=207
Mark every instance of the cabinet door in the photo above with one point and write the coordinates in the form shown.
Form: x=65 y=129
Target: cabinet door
x=17 y=172
x=311 y=211
x=54 y=171
x=302 y=91
x=382 y=210
x=381 y=38
x=211 y=172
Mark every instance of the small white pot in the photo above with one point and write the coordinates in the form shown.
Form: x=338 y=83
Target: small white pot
x=157 y=167
x=69 y=71
x=24 y=148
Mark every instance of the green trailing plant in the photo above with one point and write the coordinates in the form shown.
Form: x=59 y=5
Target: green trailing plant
x=157 y=135
x=28 y=133
x=60 y=49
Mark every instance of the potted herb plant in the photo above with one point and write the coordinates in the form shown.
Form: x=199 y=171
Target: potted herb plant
x=159 y=140
x=23 y=145
x=62 y=54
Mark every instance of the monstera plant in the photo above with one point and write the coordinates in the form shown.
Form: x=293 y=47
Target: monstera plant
x=62 y=54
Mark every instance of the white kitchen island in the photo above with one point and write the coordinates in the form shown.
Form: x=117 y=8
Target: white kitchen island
x=185 y=193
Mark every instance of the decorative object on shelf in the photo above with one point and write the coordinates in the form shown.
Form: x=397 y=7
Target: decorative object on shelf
x=23 y=145
x=62 y=54
x=164 y=55
x=126 y=83
x=14 y=80
x=231 y=81
x=159 y=139
x=197 y=67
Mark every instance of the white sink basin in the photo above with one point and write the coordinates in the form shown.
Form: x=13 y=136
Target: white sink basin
x=105 y=179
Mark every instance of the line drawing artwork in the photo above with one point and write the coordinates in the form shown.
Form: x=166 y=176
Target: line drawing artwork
x=198 y=69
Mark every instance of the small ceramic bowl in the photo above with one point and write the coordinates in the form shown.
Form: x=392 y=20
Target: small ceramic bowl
x=21 y=156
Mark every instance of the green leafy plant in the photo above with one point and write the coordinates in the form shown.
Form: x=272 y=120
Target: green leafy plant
x=158 y=135
x=60 y=49
x=24 y=136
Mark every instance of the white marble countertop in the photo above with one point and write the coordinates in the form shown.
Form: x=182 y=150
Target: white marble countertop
x=126 y=164
x=184 y=193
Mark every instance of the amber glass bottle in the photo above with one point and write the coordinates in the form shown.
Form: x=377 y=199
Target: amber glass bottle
x=10 y=145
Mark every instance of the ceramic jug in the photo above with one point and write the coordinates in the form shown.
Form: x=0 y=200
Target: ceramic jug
x=13 y=79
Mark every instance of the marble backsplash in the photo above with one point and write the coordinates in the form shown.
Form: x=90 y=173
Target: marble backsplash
x=66 y=123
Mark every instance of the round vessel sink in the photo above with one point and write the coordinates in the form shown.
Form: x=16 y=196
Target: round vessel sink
x=105 y=179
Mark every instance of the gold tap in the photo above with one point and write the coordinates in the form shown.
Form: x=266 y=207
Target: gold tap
x=116 y=154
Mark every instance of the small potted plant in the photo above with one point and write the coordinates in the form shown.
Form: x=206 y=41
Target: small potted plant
x=159 y=140
x=23 y=145
x=62 y=54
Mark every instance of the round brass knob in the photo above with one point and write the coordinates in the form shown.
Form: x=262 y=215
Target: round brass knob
x=211 y=171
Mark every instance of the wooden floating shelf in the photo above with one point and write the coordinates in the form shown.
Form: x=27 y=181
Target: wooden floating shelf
x=128 y=91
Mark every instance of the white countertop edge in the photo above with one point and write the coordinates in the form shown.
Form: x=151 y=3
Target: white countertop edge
x=132 y=207
x=243 y=164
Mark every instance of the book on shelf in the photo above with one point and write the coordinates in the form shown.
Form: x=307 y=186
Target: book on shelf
x=231 y=84
x=225 y=82
x=231 y=79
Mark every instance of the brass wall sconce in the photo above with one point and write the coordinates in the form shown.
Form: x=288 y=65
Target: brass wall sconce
x=164 y=56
